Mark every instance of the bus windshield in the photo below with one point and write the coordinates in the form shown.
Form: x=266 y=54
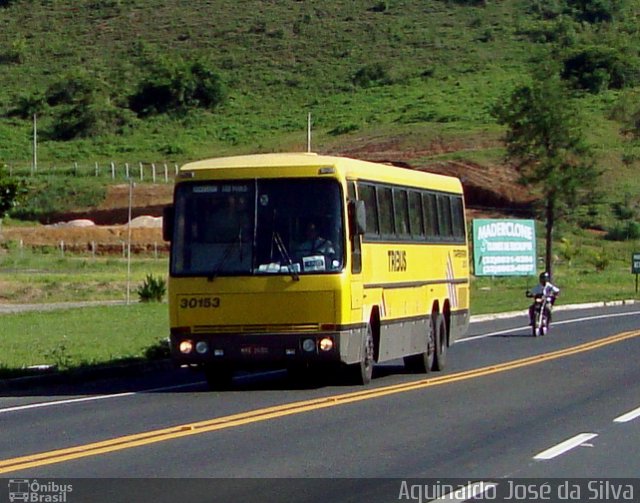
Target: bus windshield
x=264 y=226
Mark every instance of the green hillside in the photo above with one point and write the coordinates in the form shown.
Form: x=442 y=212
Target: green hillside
x=169 y=81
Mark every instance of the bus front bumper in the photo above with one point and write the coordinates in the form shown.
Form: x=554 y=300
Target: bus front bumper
x=242 y=350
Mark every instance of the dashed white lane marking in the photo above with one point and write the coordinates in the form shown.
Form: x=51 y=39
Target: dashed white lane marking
x=629 y=416
x=565 y=446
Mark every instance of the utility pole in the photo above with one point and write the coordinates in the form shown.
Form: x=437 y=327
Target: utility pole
x=131 y=185
x=35 y=144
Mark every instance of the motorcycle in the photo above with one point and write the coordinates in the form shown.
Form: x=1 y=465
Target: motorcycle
x=541 y=310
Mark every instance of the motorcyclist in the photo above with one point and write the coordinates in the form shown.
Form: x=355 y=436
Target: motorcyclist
x=543 y=289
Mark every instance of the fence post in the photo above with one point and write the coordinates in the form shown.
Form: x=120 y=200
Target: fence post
x=166 y=173
x=97 y=169
x=126 y=169
x=113 y=170
x=153 y=172
x=141 y=172
x=75 y=168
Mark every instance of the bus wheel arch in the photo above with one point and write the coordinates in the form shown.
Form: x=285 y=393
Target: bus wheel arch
x=374 y=322
x=361 y=372
x=446 y=312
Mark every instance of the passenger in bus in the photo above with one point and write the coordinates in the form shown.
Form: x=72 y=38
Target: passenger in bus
x=314 y=244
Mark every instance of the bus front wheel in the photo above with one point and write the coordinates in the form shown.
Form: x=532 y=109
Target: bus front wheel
x=362 y=372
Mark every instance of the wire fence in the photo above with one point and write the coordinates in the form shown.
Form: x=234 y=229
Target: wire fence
x=162 y=172
x=79 y=248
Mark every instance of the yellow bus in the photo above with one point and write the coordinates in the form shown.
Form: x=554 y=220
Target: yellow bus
x=311 y=262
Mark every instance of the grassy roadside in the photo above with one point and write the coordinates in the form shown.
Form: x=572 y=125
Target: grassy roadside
x=80 y=338
x=75 y=338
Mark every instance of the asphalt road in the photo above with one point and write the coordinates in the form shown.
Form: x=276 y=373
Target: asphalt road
x=511 y=412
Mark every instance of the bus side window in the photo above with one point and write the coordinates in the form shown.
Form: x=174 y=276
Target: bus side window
x=444 y=216
x=401 y=213
x=457 y=209
x=367 y=193
x=385 y=209
x=416 y=218
x=430 y=211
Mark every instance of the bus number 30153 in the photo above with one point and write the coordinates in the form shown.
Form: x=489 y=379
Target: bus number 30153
x=195 y=302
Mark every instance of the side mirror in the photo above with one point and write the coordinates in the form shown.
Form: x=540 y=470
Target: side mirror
x=168 y=214
x=357 y=217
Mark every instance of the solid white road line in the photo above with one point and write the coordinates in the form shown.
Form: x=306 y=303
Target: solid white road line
x=629 y=416
x=565 y=446
x=564 y=322
x=90 y=398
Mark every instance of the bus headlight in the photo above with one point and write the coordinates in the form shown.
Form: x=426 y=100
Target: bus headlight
x=202 y=347
x=326 y=344
x=309 y=345
x=186 y=347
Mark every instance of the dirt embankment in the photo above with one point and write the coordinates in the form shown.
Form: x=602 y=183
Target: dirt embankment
x=103 y=230
x=491 y=190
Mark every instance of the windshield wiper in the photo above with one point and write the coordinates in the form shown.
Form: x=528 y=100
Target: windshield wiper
x=285 y=254
x=225 y=256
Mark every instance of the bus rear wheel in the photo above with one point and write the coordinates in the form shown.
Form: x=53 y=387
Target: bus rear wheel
x=440 y=331
x=423 y=362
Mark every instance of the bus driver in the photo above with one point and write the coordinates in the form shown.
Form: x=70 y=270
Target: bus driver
x=314 y=244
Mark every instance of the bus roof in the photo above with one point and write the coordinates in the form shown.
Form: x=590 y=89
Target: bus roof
x=347 y=167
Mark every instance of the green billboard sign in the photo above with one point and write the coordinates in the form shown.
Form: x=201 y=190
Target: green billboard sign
x=635 y=263
x=504 y=247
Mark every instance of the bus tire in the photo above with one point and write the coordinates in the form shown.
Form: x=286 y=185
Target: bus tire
x=423 y=363
x=440 y=335
x=218 y=377
x=362 y=372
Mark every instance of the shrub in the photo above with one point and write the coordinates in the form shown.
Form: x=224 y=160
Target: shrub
x=599 y=259
x=596 y=69
x=93 y=118
x=594 y=11
x=178 y=87
x=153 y=289
x=344 y=129
x=567 y=250
x=624 y=231
x=159 y=351
x=12 y=191
x=371 y=75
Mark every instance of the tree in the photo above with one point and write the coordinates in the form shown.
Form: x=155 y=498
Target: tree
x=11 y=190
x=544 y=139
x=176 y=87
